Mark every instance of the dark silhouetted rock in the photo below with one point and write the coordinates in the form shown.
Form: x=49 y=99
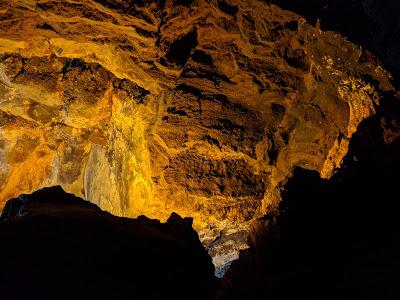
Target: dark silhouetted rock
x=336 y=238
x=57 y=246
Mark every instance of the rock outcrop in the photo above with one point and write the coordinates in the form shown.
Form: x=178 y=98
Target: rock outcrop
x=57 y=246
x=372 y=24
x=199 y=107
x=333 y=239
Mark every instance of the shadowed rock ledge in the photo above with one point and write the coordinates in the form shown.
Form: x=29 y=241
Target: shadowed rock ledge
x=336 y=238
x=57 y=246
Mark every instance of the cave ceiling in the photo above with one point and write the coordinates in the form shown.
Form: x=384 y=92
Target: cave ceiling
x=203 y=108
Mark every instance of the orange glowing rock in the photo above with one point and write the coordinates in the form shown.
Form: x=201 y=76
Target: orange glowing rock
x=198 y=109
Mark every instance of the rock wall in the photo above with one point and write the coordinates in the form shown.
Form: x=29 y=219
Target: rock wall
x=203 y=108
x=336 y=238
x=53 y=241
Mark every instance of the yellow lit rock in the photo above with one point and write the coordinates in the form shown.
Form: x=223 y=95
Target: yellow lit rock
x=151 y=109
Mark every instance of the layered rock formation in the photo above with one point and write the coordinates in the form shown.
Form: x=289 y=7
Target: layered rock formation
x=57 y=246
x=199 y=107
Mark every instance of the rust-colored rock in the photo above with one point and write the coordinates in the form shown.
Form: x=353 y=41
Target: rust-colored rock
x=199 y=107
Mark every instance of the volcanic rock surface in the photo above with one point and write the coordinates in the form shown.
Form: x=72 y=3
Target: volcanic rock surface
x=58 y=246
x=336 y=238
x=203 y=108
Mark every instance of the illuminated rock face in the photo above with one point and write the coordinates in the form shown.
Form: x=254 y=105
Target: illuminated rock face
x=198 y=107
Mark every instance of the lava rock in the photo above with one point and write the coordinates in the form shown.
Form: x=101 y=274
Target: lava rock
x=57 y=246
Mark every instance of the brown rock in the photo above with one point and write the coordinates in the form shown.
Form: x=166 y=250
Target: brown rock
x=199 y=107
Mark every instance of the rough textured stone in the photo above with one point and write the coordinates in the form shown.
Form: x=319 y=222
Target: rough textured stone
x=198 y=107
x=336 y=238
